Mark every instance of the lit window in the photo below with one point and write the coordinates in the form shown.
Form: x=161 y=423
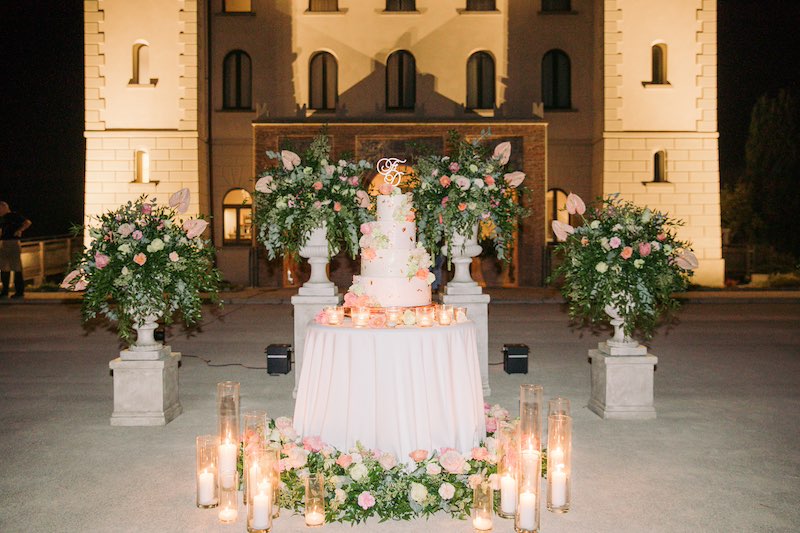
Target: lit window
x=322 y=82
x=556 y=90
x=480 y=81
x=140 y=65
x=659 y=52
x=400 y=81
x=236 y=81
x=237 y=217
x=556 y=207
x=660 y=167
x=142 y=166
x=401 y=5
x=556 y=5
x=237 y=6
x=323 y=5
x=480 y=5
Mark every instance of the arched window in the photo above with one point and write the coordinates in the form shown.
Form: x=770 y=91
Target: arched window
x=323 y=5
x=141 y=162
x=237 y=81
x=140 y=64
x=556 y=84
x=401 y=5
x=659 y=52
x=556 y=209
x=480 y=81
x=401 y=87
x=322 y=82
x=660 y=166
x=237 y=217
x=481 y=5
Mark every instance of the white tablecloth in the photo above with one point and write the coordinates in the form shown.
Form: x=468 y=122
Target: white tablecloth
x=395 y=390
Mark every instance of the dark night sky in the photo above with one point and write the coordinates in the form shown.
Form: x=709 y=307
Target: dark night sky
x=42 y=142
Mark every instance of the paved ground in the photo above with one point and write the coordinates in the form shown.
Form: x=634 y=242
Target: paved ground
x=722 y=456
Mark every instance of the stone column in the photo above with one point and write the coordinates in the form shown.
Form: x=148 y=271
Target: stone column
x=145 y=388
x=622 y=382
x=471 y=296
x=306 y=306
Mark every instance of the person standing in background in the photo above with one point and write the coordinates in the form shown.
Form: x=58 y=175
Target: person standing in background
x=12 y=224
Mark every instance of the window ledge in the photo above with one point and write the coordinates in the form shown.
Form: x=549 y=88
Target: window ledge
x=483 y=112
x=653 y=85
x=151 y=85
x=558 y=12
x=561 y=110
x=151 y=182
x=400 y=110
x=236 y=14
x=477 y=12
x=659 y=184
x=399 y=12
x=311 y=112
x=236 y=110
x=340 y=11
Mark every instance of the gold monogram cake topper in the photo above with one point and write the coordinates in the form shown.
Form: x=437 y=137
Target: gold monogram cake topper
x=387 y=167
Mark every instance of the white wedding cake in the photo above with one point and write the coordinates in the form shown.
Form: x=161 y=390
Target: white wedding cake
x=394 y=268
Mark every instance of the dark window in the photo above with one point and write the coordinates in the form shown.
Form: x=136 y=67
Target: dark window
x=401 y=88
x=556 y=5
x=236 y=81
x=660 y=166
x=480 y=5
x=659 y=52
x=480 y=81
x=556 y=206
x=322 y=82
x=237 y=6
x=237 y=217
x=323 y=5
x=556 y=90
x=401 y=5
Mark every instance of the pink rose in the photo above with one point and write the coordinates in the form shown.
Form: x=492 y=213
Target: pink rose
x=614 y=242
x=444 y=181
x=366 y=228
x=491 y=424
x=137 y=235
x=687 y=261
x=433 y=469
x=454 y=167
x=489 y=180
x=626 y=252
x=344 y=460
x=447 y=491
x=289 y=159
x=575 y=205
x=480 y=454
x=362 y=199
x=317 y=204
x=140 y=259
x=126 y=229
x=418 y=455
x=514 y=179
x=366 y=500
x=194 y=227
x=452 y=461
x=147 y=209
x=369 y=254
x=180 y=200
x=313 y=444
x=422 y=274
x=350 y=299
x=343 y=178
x=386 y=188
x=462 y=182
x=462 y=206
x=101 y=260
x=321 y=318
x=174 y=257
x=562 y=230
x=644 y=249
x=502 y=152
x=410 y=217
x=377 y=320
x=445 y=200
x=485 y=216
x=354 y=181
x=317 y=185
x=337 y=206
x=283 y=422
x=297 y=457
x=387 y=460
x=661 y=236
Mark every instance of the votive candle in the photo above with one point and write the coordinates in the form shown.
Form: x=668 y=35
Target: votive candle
x=508 y=494
x=227 y=462
x=360 y=316
x=527 y=511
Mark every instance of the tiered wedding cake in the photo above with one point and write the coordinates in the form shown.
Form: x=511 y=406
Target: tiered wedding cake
x=394 y=268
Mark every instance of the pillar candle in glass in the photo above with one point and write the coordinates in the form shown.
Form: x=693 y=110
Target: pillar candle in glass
x=260 y=496
x=315 y=500
x=335 y=315
x=206 y=471
x=445 y=315
x=228 y=411
x=393 y=316
x=482 y=506
x=360 y=316
x=229 y=500
x=425 y=316
x=254 y=434
x=507 y=471
x=530 y=417
x=559 y=464
x=228 y=451
x=529 y=469
x=461 y=314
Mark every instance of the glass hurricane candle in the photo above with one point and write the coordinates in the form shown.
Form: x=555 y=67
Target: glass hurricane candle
x=529 y=467
x=206 y=474
x=461 y=314
x=393 y=316
x=558 y=406
x=360 y=316
x=228 y=411
x=482 y=506
x=507 y=471
x=425 y=316
x=445 y=315
x=315 y=500
x=559 y=471
x=253 y=438
x=335 y=315
x=229 y=500
x=260 y=496
x=530 y=417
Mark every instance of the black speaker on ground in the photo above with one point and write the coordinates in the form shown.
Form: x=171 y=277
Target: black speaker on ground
x=515 y=358
x=279 y=359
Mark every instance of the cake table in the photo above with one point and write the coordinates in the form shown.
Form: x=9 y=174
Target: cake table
x=395 y=390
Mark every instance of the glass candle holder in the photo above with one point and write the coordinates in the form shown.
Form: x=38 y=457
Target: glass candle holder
x=445 y=315
x=253 y=438
x=393 y=316
x=559 y=464
x=228 y=411
x=360 y=316
x=335 y=315
x=530 y=417
x=228 y=453
x=425 y=316
x=229 y=500
x=507 y=471
x=558 y=406
x=461 y=314
x=315 y=500
x=206 y=472
x=529 y=467
x=482 y=506
x=261 y=494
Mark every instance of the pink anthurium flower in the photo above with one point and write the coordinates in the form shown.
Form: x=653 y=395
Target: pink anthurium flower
x=180 y=200
x=575 y=205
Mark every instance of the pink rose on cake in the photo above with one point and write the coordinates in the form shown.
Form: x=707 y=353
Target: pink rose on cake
x=410 y=217
x=386 y=188
x=422 y=274
x=366 y=228
x=350 y=299
x=369 y=254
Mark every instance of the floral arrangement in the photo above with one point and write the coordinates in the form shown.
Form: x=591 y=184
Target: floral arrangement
x=143 y=261
x=362 y=483
x=301 y=194
x=470 y=187
x=624 y=260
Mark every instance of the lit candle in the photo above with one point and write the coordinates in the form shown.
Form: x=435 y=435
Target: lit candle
x=360 y=316
x=508 y=494
x=332 y=315
x=482 y=523
x=558 y=486
x=527 y=511
x=314 y=518
x=205 y=488
x=424 y=316
x=461 y=314
x=262 y=507
x=445 y=316
x=228 y=514
x=392 y=316
x=227 y=463
x=556 y=457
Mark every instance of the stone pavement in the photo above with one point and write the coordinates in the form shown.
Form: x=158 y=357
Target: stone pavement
x=721 y=456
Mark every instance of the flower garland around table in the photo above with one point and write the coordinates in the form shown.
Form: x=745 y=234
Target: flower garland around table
x=624 y=260
x=470 y=187
x=362 y=483
x=300 y=195
x=143 y=261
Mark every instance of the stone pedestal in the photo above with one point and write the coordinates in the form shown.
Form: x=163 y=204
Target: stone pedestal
x=477 y=305
x=622 y=382
x=146 y=390
x=305 y=308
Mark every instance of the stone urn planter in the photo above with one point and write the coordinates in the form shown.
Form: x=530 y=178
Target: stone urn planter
x=463 y=249
x=146 y=347
x=316 y=251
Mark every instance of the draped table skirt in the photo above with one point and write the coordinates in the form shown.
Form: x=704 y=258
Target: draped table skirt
x=395 y=390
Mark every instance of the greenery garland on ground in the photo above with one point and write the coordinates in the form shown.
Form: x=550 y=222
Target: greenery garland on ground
x=300 y=194
x=142 y=261
x=623 y=257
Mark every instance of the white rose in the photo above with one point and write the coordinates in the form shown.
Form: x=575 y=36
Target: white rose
x=340 y=496
x=418 y=492
x=124 y=248
x=433 y=469
x=601 y=267
x=358 y=471
x=447 y=491
x=478 y=183
x=595 y=224
x=156 y=246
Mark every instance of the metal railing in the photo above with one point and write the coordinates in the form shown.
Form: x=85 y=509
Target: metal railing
x=48 y=256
